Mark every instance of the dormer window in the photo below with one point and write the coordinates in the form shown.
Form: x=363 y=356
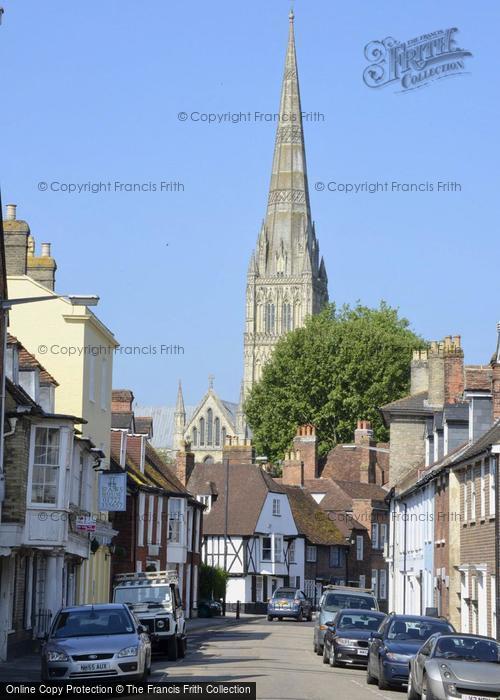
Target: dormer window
x=29 y=380
x=206 y=500
x=46 y=397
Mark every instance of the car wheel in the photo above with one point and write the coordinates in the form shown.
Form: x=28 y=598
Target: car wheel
x=427 y=693
x=172 y=648
x=300 y=616
x=325 y=655
x=371 y=680
x=333 y=661
x=411 y=692
x=310 y=616
x=382 y=683
x=319 y=650
x=270 y=618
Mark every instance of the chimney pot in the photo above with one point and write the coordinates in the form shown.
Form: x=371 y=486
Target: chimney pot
x=45 y=250
x=11 y=212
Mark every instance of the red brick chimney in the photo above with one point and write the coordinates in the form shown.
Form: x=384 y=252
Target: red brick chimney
x=306 y=444
x=293 y=469
x=121 y=401
x=238 y=450
x=184 y=464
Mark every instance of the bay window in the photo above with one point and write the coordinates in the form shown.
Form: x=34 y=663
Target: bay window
x=174 y=520
x=46 y=467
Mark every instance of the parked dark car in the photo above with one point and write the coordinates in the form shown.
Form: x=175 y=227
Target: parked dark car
x=395 y=642
x=454 y=665
x=209 y=608
x=348 y=635
x=289 y=602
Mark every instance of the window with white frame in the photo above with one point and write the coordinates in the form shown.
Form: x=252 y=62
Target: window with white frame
x=278 y=548
x=276 y=506
x=140 y=524
x=375 y=535
x=375 y=582
x=382 y=584
x=492 y=485
x=175 y=520
x=46 y=469
x=472 y=476
x=482 y=492
x=151 y=505
x=206 y=500
x=359 y=547
x=77 y=478
x=291 y=552
x=362 y=581
x=311 y=553
x=259 y=589
x=383 y=535
x=266 y=548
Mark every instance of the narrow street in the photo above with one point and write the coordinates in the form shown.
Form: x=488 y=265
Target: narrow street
x=278 y=656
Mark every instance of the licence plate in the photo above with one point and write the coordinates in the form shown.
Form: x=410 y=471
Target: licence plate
x=474 y=697
x=362 y=652
x=94 y=667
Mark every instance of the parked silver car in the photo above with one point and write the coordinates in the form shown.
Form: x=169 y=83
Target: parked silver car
x=455 y=666
x=337 y=598
x=96 y=641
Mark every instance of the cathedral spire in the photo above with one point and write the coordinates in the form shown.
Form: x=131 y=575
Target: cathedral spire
x=179 y=419
x=288 y=218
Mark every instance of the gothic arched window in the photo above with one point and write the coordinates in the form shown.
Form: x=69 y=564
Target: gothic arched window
x=217 y=431
x=202 y=431
x=269 y=318
x=195 y=437
x=286 y=317
x=210 y=423
x=223 y=437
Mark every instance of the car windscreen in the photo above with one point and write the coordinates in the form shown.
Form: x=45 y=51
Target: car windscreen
x=336 y=601
x=355 y=621
x=135 y=595
x=92 y=623
x=286 y=595
x=416 y=629
x=468 y=649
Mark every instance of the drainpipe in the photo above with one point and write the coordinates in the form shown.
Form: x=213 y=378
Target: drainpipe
x=404 y=557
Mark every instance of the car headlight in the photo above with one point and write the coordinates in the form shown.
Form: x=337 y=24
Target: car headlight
x=57 y=655
x=341 y=641
x=398 y=658
x=128 y=651
x=446 y=673
x=160 y=624
x=451 y=689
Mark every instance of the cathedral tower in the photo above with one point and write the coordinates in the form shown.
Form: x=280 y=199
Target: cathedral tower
x=286 y=280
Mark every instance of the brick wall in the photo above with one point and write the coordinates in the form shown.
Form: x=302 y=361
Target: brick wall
x=16 y=461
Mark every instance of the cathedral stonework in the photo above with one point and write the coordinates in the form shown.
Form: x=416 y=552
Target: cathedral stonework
x=286 y=279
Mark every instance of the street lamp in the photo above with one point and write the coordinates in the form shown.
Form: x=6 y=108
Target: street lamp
x=5 y=306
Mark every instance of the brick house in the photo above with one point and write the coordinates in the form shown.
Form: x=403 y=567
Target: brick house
x=49 y=474
x=443 y=503
x=349 y=488
x=161 y=527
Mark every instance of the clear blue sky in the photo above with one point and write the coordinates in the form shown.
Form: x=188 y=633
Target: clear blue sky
x=91 y=91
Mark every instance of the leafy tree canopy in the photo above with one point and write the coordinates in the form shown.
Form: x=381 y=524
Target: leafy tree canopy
x=335 y=370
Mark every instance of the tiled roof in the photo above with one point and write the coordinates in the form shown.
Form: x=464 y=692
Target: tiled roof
x=409 y=404
x=163 y=472
x=28 y=361
x=478 y=377
x=310 y=520
x=144 y=425
x=248 y=486
x=356 y=489
x=482 y=444
x=123 y=421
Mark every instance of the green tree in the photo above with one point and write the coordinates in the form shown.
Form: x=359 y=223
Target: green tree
x=213 y=581
x=335 y=370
